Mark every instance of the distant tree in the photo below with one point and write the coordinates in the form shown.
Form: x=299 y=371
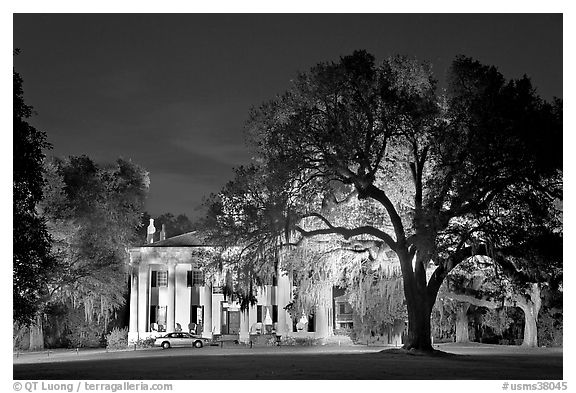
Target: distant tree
x=93 y=213
x=523 y=245
x=32 y=260
x=424 y=161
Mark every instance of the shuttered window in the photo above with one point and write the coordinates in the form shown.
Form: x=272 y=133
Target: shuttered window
x=197 y=278
x=162 y=278
x=194 y=277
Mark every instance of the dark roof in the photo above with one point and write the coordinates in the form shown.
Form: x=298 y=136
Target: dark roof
x=190 y=239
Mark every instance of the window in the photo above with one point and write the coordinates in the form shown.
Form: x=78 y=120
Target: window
x=159 y=279
x=198 y=278
x=194 y=277
x=158 y=318
x=161 y=316
x=258 y=313
x=197 y=314
x=311 y=323
x=153 y=313
x=274 y=314
x=342 y=308
x=162 y=279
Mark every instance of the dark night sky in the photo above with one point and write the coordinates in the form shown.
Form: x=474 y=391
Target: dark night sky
x=172 y=92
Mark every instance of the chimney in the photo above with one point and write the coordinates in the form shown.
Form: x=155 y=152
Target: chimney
x=163 y=232
x=151 y=231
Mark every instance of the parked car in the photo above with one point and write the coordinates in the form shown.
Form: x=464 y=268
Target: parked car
x=180 y=339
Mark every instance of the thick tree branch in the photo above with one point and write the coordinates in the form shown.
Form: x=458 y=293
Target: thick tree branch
x=379 y=195
x=346 y=232
x=446 y=267
x=478 y=301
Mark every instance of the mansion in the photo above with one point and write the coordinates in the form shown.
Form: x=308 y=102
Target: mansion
x=169 y=292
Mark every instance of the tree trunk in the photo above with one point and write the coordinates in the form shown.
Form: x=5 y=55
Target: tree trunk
x=530 y=329
x=462 y=335
x=418 y=304
x=531 y=307
x=36 y=335
x=529 y=303
x=419 y=333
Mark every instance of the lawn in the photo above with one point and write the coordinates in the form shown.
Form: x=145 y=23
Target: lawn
x=456 y=362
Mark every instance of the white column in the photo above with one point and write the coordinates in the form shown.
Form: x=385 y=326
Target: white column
x=143 y=287
x=207 y=332
x=244 y=327
x=216 y=312
x=268 y=291
x=321 y=318
x=283 y=298
x=133 y=327
x=171 y=309
x=321 y=321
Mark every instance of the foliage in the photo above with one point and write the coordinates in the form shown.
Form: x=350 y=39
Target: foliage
x=428 y=170
x=307 y=341
x=20 y=337
x=378 y=301
x=497 y=319
x=550 y=322
x=550 y=328
x=32 y=259
x=145 y=343
x=287 y=340
x=443 y=319
x=84 y=335
x=93 y=212
x=66 y=327
x=117 y=339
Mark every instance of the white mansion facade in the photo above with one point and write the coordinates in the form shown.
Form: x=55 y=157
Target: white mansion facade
x=169 y=292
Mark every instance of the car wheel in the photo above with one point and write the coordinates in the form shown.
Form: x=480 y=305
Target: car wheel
x=198 y=344
x=165 y=345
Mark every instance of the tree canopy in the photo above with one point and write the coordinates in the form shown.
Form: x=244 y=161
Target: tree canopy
x=93 y=213
x=429 y=168
x=31 y=256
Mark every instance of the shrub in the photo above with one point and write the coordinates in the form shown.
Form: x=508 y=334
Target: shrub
x=117 y=339
x=84 y=336
x=287 y=340
x=145 y=343
x=550 y=329
x=20 y=337
x=307 y=341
